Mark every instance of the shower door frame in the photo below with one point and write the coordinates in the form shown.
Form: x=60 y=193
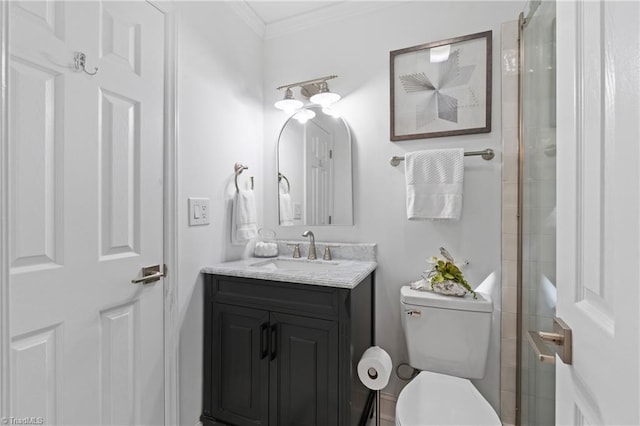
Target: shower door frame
x=520 y=340
x=520 y=242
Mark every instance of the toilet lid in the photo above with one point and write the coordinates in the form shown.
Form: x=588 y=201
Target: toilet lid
x=438 y=399
x=482 y=302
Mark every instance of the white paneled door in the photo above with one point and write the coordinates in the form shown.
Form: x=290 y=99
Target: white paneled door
x=319 y=174
x=598 y=249
x=86 y=188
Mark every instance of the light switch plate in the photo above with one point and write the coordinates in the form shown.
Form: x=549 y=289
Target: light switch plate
x=198 y=211
x=297 y=211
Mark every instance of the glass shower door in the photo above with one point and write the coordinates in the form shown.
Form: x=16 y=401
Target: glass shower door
x=537 y=205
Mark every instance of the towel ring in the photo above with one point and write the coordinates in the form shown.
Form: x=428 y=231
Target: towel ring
x=280 y=177
x=238 y=168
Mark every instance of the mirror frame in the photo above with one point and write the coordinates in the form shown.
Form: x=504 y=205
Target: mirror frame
x=316 y=108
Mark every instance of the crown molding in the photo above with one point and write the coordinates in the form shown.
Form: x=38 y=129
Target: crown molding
x=342 y=10
x=242 y=9
x=325 y=16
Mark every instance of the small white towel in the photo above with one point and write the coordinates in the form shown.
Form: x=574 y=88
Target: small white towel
x=286 y=210
x=244 y=224
x=434 y=183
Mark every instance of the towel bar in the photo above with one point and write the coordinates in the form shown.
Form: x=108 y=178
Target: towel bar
x=487 y=154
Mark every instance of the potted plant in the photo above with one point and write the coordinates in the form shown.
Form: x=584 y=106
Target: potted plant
x=445 y=277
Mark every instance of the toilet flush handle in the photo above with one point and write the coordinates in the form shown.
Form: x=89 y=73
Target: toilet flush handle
x=413 y=312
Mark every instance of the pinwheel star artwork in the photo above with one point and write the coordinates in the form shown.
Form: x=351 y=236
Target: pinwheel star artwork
x=439 y=101
x=447 y=96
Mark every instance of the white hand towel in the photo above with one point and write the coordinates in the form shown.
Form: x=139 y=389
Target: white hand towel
x=285 y=204
x=286 y=210
x=244 y=224
x=434 y=183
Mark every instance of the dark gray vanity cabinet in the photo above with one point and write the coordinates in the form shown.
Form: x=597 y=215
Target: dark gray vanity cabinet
x=240 y=350
x=284 y=354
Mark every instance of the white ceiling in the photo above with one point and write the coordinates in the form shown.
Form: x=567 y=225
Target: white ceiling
x=271 y=18
x=277 y=11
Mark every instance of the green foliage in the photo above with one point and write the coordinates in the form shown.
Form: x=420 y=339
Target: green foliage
x=444 y=270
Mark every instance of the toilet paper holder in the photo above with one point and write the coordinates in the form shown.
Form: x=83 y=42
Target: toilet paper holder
x=373 y=400
x=373 y=374
x=374 y=369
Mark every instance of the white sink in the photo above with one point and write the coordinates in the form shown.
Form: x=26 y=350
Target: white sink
x=296 y=265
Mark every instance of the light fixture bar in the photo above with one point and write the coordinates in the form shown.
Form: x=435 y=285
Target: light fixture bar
x=304 y=83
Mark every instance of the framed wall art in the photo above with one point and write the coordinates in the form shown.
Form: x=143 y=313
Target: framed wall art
x=441 y=88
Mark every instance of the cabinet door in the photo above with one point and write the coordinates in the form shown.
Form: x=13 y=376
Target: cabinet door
x=304 y=371
x=240 y=393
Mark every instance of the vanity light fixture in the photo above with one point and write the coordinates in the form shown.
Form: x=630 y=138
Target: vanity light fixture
x=288 y=104
x=317 y=90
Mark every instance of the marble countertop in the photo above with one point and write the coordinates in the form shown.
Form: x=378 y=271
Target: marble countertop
x=343 y=273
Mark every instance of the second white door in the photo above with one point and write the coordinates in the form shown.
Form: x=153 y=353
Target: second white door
x=86 y=187
x=598 y=240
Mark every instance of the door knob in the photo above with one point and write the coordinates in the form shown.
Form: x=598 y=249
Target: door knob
x=150 y=274
x=560 y=338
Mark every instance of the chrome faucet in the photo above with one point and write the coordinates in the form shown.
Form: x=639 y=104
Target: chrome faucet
x=312 y=245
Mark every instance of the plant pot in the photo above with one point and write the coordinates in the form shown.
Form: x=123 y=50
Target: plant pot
x=449 y=288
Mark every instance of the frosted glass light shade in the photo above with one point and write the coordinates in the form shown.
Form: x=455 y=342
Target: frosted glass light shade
x=325 y=98
x=304 y=115
x=331 y=112
x=288 y=103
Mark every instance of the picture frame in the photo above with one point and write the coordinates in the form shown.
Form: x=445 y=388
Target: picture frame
x=441 y=88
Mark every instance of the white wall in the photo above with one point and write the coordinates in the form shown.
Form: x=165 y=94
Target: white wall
x=224 y=69
x=357 y=49
x=219 y=124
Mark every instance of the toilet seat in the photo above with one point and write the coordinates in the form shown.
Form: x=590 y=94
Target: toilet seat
x=438 y=399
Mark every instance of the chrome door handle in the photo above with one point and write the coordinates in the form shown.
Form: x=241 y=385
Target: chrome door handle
x=560 y=337
x=150 y=274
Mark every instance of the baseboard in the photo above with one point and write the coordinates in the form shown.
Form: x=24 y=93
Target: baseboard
x=388 y=407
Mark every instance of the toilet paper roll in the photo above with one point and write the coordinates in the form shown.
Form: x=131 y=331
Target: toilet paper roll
x=374 y=368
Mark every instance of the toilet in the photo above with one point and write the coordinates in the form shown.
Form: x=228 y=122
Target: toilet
x=448 y=339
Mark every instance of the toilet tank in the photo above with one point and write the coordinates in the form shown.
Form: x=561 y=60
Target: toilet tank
x=446 y=334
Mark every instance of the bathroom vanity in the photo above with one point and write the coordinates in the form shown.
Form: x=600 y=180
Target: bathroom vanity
x=282 y=339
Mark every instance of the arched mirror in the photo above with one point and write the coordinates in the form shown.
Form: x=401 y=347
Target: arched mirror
x=314 y=170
